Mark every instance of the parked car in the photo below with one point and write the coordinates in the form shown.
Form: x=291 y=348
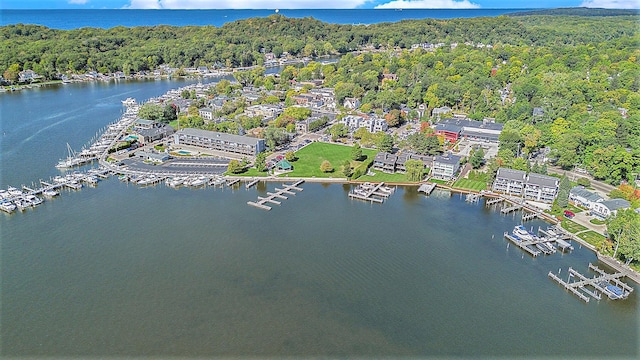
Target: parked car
x=569 y=214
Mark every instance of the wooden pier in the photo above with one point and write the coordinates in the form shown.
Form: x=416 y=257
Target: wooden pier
x=251 y=183
x=278 y=194
x=523 y=245
x=526 y=216
x=473 y=198
x=595 y=286
x=233 y=182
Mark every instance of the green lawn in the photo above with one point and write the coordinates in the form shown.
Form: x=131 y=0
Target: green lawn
x=470 y=184
x=572 y=227
x=384 y=177
x=311 y=156
x=597 y=222
x=438 y=181
x=593 y=238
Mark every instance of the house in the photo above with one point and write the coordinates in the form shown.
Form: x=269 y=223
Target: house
x=438 y=112
x=385 y=162
x=445 y=167
x=510 y=181
x=264 y=110
x=606 y=208
x=28 y=75
x=403 y=157
x=579 y=196
x=351 y=103
x=486 y=130
x=144 y=124
x=541 y=188
x=354 y=122
x=537 y=112
x=152 y=156
x=389 y=77
x=146 y=136
x=233 y=144
x=206 y=114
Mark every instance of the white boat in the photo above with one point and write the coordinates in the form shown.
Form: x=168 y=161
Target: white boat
x=50 y=193
x=14 y=191
x=129 y=102
x=6 y=206
x=34 y=200
x=21 y=203
x=200 y=181
x=3 y=194
x=174 y=181
x=522 y=233
x=91 y=180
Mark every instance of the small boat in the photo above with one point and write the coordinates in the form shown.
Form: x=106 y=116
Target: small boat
x=34 y=200
x=14 y=191
x=200 y=181
x=174 y=181
x=129 y=102
x=50 y=193
x=3 y=194
x=614 y=292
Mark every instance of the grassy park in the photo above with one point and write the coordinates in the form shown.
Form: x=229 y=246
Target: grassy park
x=572 y=227
x=311 y=156
x=470 y=184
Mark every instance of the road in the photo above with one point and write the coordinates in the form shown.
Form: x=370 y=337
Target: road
x=603 y=189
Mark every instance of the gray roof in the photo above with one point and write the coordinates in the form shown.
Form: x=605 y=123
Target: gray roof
x=615 y=204
x=448 y=127
x=479 y=134
x=468 y=123
x=156 y=131
x=144 y=121
x=448 y=159
x=238 y=139
x=511 y=174
x=542 y=180
x=386 y=158
x=585 y=194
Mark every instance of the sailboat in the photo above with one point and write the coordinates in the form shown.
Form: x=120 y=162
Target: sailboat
x=71 y=160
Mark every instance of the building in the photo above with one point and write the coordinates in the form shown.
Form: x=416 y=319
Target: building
x=385 y=162
x=535 y=187
x=372 y=124
x=206 y=114
x=234 y=144
x=152 y=156
x=541 y=188
x=445 y=167
x=146 y=136
x=144 y=124
x=579 y=196
x=264 y=110
x=450 y=132
x=351 y=103
x=439 y=112
x=484 y=131
x=510 y=181
x=608 y=208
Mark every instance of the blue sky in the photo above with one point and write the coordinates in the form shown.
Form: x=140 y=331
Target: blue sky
x=308 y=4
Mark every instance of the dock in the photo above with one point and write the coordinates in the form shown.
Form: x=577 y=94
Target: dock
x=506 y=210
x=526 y=216
x=559 y=239
x=233 y=182
x=493 y=201
x=427 y=188
x=524 y=245
x=473 y=198
x=278 y=194
x=369 y=192
x=251 y=183
x=603 y=283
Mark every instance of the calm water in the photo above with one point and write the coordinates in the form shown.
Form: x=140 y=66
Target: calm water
x=73 y=19
x=125 y=271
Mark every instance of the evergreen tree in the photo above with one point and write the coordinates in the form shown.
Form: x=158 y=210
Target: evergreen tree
x=563 y=192
x=356 y=152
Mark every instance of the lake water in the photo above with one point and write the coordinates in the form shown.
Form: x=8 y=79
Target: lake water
x=123 y=271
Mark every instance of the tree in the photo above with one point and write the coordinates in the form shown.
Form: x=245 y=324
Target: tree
x=415 y=170
x=169 y=113
x=275 y=136
x=347 y=171
x=260 y=162
x=385 y=143
x=290 y=156
x=12 y=72
x=563 y=192
x=235 y=167
x=326 y=167
x=338 y=131
x=151 y=111
x=356 y=152
x=624 y=230
x=477 y=159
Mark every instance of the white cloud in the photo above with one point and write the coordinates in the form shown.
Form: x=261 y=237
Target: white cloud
x=428 y=4
x=245 y=4
x=78 y=2
x=612 y=4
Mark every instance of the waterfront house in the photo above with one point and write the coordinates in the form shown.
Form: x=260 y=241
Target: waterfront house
x=28 y=76
x=229 y=143
x=607 y=208
x=541 y=188
x=445 y=167
x=510 y=181
x=145 y=124
x=385 y=162
x=579 y=196
x=146 y=136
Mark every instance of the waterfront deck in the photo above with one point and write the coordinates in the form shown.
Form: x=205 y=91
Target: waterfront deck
x=369 y=192
x=524 y=245
x=427 y=188
x=595 y=287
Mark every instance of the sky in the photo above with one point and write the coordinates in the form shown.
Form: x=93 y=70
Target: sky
x=312 y=4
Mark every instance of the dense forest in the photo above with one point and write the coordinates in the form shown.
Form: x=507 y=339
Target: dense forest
x=565 y=83
x=49 y=52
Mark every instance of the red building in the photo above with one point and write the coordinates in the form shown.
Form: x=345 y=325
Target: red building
x=450 y=132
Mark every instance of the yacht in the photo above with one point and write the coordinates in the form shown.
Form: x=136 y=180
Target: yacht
x=129 y=102
x=3 y=194
x=522 y=233
x=13 y=191
x=33 y=200
x=50 y=193
x=7 y=206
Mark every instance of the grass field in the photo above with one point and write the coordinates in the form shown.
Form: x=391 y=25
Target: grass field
x=470 y=184
x=572 y=227
x=593 y=238
x=384 y=177
x=311 y=156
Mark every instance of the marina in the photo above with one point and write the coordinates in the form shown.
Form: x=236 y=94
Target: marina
x=601 y=284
